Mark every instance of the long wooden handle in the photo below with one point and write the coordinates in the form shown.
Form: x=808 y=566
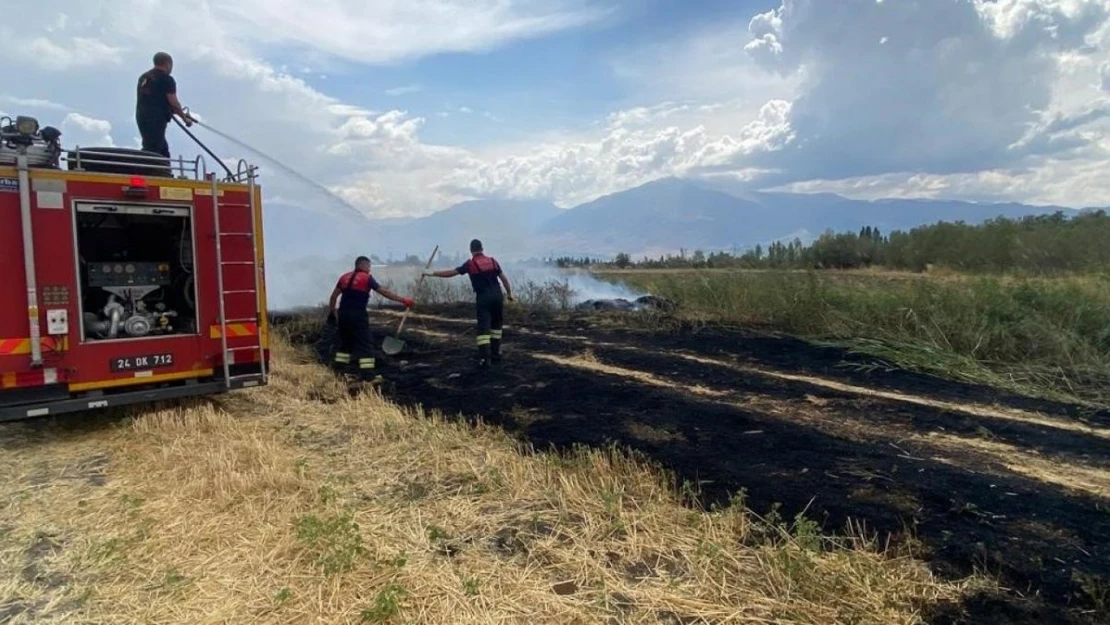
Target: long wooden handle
x=417 y=289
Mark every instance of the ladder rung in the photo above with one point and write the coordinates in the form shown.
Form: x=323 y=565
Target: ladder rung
x=240 y=349
x=236 y=234
x=243 y=320
x=237 y=262
x=237 y=292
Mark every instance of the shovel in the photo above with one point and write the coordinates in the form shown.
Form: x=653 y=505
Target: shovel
x=393 y=345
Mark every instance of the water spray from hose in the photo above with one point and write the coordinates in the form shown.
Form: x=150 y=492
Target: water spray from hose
x=287 y=169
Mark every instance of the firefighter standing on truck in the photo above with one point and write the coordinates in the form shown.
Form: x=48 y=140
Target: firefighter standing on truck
x=484 y=272
x=355 y=341
x=156 y=103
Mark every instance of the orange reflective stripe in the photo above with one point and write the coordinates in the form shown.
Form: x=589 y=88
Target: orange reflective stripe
x=25 y=379
x=234 y=329
x=245 y=329
x=13 y=347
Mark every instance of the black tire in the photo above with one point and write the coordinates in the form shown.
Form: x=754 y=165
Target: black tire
x=123 y=161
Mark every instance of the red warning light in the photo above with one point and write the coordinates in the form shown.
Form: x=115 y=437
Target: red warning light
x=137 y=188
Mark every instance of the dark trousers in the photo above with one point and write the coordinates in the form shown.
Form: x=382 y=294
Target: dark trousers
x=491 y=308
x=153 y=132
x=355 y=350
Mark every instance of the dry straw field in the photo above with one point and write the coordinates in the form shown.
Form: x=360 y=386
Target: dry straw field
x=300 y=504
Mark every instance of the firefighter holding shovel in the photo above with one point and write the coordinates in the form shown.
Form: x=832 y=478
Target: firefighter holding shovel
x=484 y=272
x=355 y=342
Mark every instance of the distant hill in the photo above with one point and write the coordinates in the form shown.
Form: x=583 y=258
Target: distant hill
x=292 y=231
x=504 y=225
x=659 y=217
x=666 y=214
x=508 y=226
x=672 y=214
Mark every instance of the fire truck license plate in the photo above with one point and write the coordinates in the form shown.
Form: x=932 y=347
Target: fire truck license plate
x=142 y=362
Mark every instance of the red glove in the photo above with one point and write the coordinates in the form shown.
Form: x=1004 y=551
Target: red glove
x=407 y=301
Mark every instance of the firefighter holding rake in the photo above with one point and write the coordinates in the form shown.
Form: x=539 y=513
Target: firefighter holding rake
x=484 y=272
x=355 y=342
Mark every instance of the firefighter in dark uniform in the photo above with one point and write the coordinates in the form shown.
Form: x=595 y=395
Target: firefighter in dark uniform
x=156 y=103
x=355 y=341
x=484 y=272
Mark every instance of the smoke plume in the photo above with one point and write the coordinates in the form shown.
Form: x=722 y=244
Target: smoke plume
x=308 y=281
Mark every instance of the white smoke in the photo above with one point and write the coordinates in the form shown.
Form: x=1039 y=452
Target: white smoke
x=308 y=282
x=583 y=284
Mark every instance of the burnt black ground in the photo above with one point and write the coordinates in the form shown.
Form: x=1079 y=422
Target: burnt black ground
x=1050 y=545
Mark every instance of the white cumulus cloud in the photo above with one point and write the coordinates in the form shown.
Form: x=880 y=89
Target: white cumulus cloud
x=957 y=89
x=60 y=54
x=627 y=154
x=395 y=30
x=972 y=97
x=32 y=103
x=78 y=129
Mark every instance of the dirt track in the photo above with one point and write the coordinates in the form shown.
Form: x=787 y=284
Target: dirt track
x=1016 y=487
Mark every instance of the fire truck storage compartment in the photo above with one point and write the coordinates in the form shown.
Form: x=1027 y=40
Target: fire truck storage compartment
x=135 y=270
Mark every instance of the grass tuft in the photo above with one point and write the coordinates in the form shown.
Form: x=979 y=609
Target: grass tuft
x=334 y=540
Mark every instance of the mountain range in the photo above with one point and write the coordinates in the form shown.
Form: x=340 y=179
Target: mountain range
x=659 y=217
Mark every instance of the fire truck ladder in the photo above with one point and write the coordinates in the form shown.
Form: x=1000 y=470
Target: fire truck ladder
x=248 y=379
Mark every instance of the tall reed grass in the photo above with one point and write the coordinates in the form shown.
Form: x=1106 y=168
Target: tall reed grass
x=1041 y=336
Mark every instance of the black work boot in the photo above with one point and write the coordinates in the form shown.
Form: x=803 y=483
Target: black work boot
x=370 y=376
x=483 y=356
x=495 y=351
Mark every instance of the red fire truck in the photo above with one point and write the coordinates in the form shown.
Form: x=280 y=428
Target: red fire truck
x=127 y=277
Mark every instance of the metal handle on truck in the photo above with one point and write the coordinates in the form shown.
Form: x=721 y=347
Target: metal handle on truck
x=29 y=258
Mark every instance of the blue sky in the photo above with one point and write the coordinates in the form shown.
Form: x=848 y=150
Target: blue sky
x=567 y=100
x=560 y=80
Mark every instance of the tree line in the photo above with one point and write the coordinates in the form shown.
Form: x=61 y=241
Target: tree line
x=1036 y=244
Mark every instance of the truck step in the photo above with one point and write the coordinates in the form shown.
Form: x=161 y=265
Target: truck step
x=241 y=381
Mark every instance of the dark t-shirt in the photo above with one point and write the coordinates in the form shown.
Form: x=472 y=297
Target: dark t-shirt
x=150 y=97
x=355 y=287
x=483 y=271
